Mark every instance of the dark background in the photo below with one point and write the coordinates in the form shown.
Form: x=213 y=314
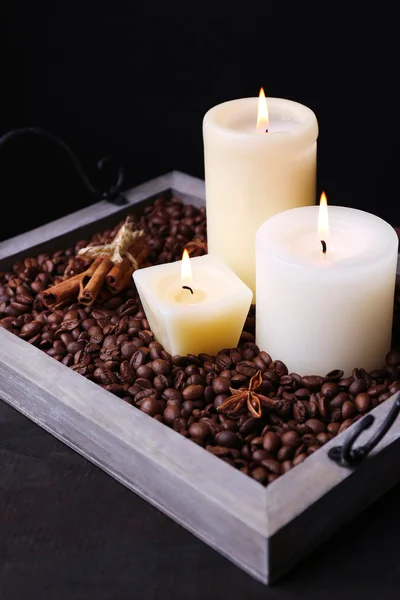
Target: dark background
x=113 y=81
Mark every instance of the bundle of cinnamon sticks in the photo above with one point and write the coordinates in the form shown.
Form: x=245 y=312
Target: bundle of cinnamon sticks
x=109 y=273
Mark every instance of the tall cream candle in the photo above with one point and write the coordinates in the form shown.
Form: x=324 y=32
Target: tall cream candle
x=251 y=175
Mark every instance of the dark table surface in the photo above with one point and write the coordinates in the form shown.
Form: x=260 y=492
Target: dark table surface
x=69 y=531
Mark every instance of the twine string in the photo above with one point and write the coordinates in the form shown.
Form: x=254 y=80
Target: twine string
x=116 y=250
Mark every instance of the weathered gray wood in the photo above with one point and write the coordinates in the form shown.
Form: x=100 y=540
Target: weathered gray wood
x=264 y=531
x=204 y=494
x=321 y=496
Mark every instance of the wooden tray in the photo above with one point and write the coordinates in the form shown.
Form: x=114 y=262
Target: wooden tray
x=263 y=530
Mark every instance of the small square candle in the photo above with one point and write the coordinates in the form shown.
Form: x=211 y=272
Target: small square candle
x=194 y=306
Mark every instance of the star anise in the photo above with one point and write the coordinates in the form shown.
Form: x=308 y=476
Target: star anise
x=196 y=247
x=243 y=398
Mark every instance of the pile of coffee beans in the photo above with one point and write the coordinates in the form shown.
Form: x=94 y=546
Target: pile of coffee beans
x=111 y=344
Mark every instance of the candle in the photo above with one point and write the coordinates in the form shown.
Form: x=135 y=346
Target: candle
x=251 y=175
x=325 y=293
x=194 y=306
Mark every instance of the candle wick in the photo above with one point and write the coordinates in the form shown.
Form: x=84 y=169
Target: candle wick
x=266 y=131
x=323 y=246
x=186 y=287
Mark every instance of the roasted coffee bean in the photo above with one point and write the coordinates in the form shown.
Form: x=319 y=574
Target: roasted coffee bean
x=221 y=385
x=323 y=437
x=171 y=412
x=286 y=466
x=273 y=466
x=323 y=405
x=265 y=357
x=299 y=459
x=223 y=361
x=259 y=454
x=357 y=387
x=330 y=389
x=290 y=438
x=271 y=442
x=137 y=359
x=260 y=474
x=376 y=390
x=248 y=426
x=339 y=400
x=246 y=368
x=31 y=329
x=228 y=439
x=199 y=430
x=150 y=406
x=285 y=453
x=333 y=427
x=161 y=382
x=160 y=367
x=300 y=412
x=127 y=373
x=144 y=371
x=312 y=382
x=316 y=425
x=193 y=392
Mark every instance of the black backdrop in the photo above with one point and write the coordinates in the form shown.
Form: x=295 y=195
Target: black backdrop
x=112 y=81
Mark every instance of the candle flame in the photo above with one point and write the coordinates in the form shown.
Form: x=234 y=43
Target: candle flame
x=186 y=269
x=262 y=113
x=323 y=220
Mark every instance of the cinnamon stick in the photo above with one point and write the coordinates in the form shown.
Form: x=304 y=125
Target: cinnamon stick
x=91 y=284
x=120 y=276
x=61 y=292
x=66 y=290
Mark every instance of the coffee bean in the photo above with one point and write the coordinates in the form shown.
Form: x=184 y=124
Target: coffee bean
x=323 y=405
x=246 y=368
x=285 y=453
x=193 y=392
x=228 y=439
x=265 y=357
x=273 y=466
x=31 y=329
x=150 y=406
x=290 y=438
x=127 y=372
x=330 y=389
x=160 y=367
x=339 y=400
x=260 y=474
x=312 y=382
x=344 y=425
x=316 y=425
x=333 y=427
x=171 y=412
x=199 y=430
x=323 y=437
x=221 y=385
x=300 y=412
x=357 y=387
x=363 y=402
x=248 y=426
x=271 y=442
x=299 y=459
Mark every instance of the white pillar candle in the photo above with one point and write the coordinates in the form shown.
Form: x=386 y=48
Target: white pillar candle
x=205 y=321
x=251 y=175
x=318 y=312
